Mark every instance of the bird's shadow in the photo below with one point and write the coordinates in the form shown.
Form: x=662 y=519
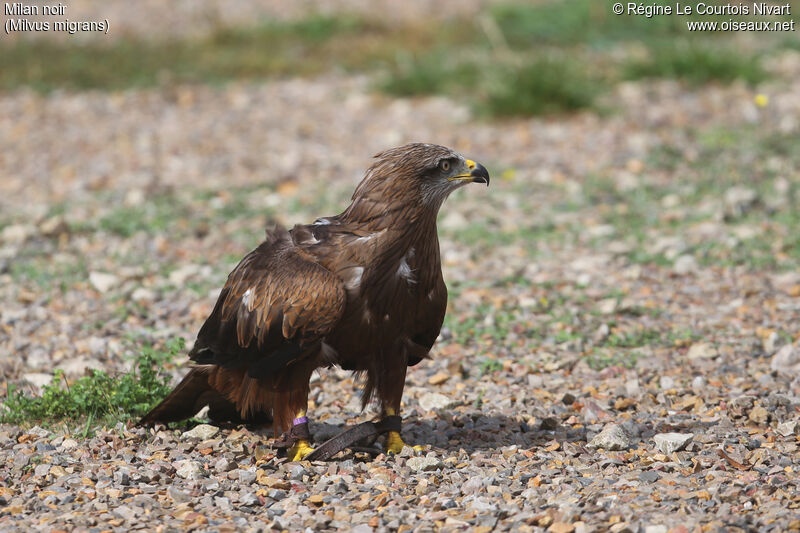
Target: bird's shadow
x=452 y=434
x=487 y=432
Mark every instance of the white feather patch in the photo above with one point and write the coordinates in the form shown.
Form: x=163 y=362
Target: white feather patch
x=404 y=270
x=247 y=298
x=371 y=236
x=353 y=282
x=311 y=240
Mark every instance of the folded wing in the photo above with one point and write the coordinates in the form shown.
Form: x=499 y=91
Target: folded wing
x=275 y=308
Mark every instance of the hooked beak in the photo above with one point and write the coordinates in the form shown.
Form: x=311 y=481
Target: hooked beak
x=480 y=174
x=477 y=173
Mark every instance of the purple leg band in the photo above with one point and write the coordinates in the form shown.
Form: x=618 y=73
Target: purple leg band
x=298 y=421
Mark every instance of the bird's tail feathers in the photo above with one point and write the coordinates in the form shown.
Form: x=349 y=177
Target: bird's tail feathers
x=183 y=402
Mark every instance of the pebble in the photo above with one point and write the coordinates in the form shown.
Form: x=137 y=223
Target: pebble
x=431 y=401
x=787 y=360
x=201 y=432
x=16 y=233
x=188 y=469
x=702 y=350
x=178 y=495
x=247 y=476
x=789 y=428
x=424 y=464
x=612 y=438
x=667 y=443
x=758 y=415
x=103 y=281
x=685 y=264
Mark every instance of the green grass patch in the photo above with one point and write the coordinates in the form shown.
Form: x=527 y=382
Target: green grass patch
x=696 y=64
x=100 y=397
x=515 y=59
x=577 y=21
x=272 y=48
x=633 y=339
x=541 y=87
x=600 y=359
x=43 y=272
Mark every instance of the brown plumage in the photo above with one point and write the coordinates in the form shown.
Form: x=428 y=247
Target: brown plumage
x=362 y=290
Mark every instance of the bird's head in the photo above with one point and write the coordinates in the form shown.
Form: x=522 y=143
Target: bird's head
x=425 y=173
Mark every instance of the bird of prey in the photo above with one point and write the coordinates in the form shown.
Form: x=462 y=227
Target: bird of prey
x=362 y=290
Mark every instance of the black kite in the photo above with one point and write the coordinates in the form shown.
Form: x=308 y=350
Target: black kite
x=362 y=290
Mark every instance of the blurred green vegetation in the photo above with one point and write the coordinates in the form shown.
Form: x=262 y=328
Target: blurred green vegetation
x=513 y=59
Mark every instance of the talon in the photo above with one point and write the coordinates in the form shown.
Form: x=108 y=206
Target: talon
x=299 y=451
x=395 y=444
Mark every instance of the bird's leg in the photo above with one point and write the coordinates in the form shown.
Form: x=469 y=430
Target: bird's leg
x=301 y=448
x=394 y=442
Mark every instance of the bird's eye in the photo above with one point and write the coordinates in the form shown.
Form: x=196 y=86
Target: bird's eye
x=445 y=165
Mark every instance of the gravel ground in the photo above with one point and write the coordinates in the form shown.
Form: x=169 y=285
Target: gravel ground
x=576 y=387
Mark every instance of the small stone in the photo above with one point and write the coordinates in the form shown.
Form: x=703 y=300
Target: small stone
x=38 y=379
x=126 y=513
x=771 y=343
x=698 y=383
x=224 y=465
x=702 y=350
x=122 y=477
x=666 y=382
x=607 y=306
x=472 y=485
x=433 y=400
x=16 y=234
x=272 y=482
x=142 y=295
x=667 y=443
x=201 y=432
x=103 y=281
x=439 y=378
x=78 y=366
x=561 y=527
x=190 y=470
x=759 y=415
x=248 y=476
x=178 y=496
x=296 y=471
x=53 y=226
x=601 y=333
x=685 y=264
x=787 y=429
x=632 y=388
x=787 y=360
x=315 y=499
x=424 y=464
x=655 y=528
x=41 y=470
x=649 y=476
x=222 y=502
x=613 y=437
x=248 y=499
x=739 y=199
x=277 y=494
x=179 y=276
